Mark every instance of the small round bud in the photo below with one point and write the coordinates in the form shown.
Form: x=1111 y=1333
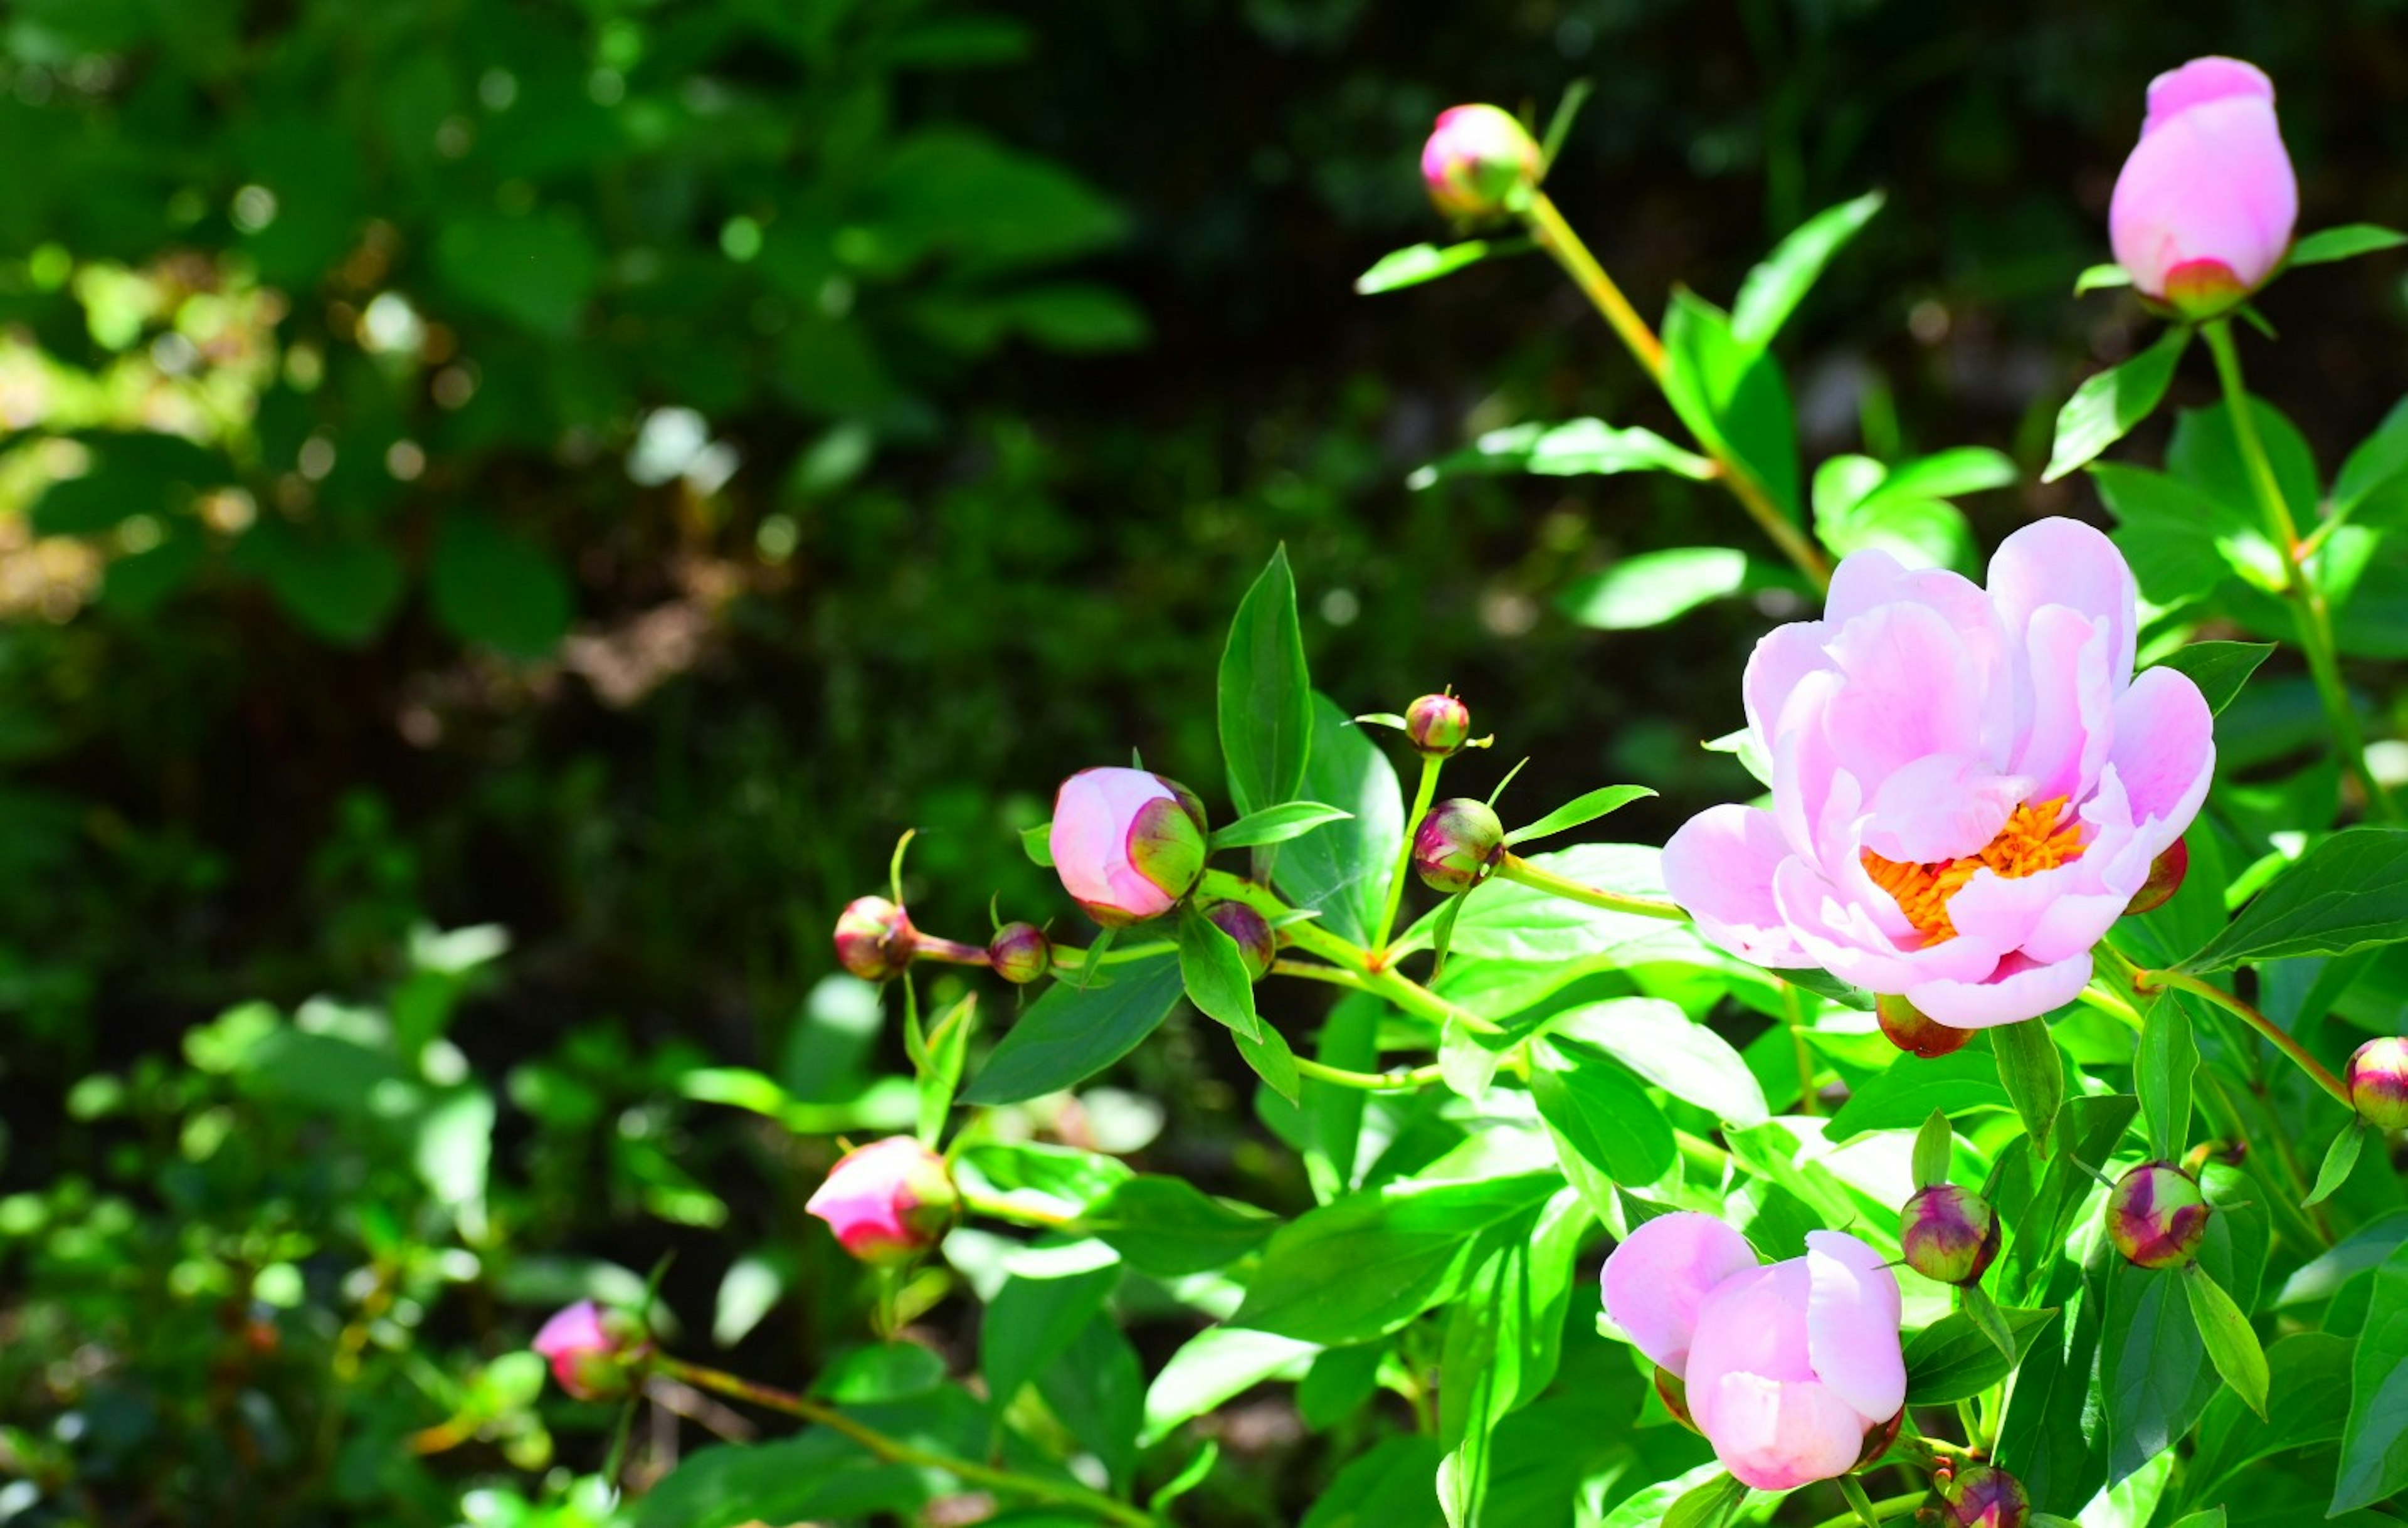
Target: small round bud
x=1914 y=1031
x=2166 y=873
x=1127 y=843
x=874 y=940
x=1477 y=160
x=1456 y=845
x=887 y=1202
x=1020 y=953
x=1979 y=1496
x=2157 y=1216
x=2378 y=1082
x=595 y=1355
x=1438 y=725
x=1949 y=1235
x=1255 y=941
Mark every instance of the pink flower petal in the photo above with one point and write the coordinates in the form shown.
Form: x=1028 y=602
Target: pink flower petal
x=2164 y=752
x=2200 y=81
x=1783 y=658
x=1780 y=1434
x=1657 y=1279
x=1719 y=866
x=2064 y=741
x=1851 y=1325
x=2064 y=562
x=2017 y=988
x=1940 y=806
x=575 y=1330
x=1092 y=813
x=1912 y=689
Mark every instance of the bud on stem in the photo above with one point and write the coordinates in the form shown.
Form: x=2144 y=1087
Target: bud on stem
x=1949 y=1235
x=2157 y=1216
x=2378 y=1082
x=1457 y=843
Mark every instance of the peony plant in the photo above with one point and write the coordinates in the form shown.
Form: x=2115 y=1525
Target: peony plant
x=1934 y=1138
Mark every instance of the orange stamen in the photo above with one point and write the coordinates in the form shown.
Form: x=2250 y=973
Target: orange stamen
x=2030 y=842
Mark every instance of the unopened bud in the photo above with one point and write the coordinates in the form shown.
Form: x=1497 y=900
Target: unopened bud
x=1980 y=1496
x=2157 y=1216
x=1456 y=845
x=1255 y=941
x=1478 y=160
x=2166 y=873
x=595 y=1355
x=1438 y=725
x=1914 y=1031
x=1020 y=953
x=874 y=939
x=1128 y=844
x=2378 y=1082
x=1949 y=1235
x=887 y=1202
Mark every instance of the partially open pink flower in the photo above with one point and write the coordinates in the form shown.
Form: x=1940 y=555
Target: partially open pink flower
x=887 y=1202
x=595 y=1353
x=1128 y=844
x=2203 y=210
x=1969 y=785
x=1787 y=1368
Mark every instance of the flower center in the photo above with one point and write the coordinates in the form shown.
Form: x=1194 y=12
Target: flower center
x=2032 y=841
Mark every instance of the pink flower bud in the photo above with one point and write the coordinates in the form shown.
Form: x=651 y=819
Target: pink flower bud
x=887 y=1202
x=1456 y=845
x=595 y=1355
x=1020 y=953
x=1128 y=843
x=1915 y=1032
x=2166 y=873
x=1949 y=1235
x=1256 y=944
x=2378 y=1082
x=1438 y=725
x=2203 y=210
x=1476 y=160
x=1980 y=1496
x=874 y=939
x=1790 y=1370
x=2157 y=1216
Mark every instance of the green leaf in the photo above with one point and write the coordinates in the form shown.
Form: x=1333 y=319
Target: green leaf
x=1277 y=824
x=535 y=272
x=2218 y=668
x=2182 y=540
x=2341 y=1159
x=1052 y=1293
x=1509 y=922
x=1344 y=870
x=2043 y=1440
x=2307 y=1404
x=1365 y=1265
x=2205 y=451
x=1975 y=1302
x=2161 y=1076
x=2365 y=1247
x=1663 y=1045
x=1266 y=697
x=1774 y=290
x=2101 y=279
x=2375 y=1442
x=343 y=591
x=2377 y=463
x=2231 y=1342
x=1709 y=1505
x=1935 y=1147
x=1069 y=1035
x=2104 y=408
x=2349 y=240
x=1418 y=262
x=1860 y=505
x=1647 y=1506
x=1214 y=973
x=1096 y=1388
x=1269 y=1055
x=1580 y=810
x=1037 y=844
x=489 y=585
x=1731 y=396
x=1502 y=1346
x=1600 y=1112
x=1168 y=1228
x=1911 y=1088
x=1654 y=588
x=1954 y=1358
x=1577 y=448
x=2347 y=894
x=1054 y=1182
x=1388 y=1485
x=1217 y=1364
x=2033 y=1072
x=817 y=1474
x=144 y=474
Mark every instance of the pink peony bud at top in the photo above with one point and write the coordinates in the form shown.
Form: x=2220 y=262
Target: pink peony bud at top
x=1128 y=843
x=1970 y=784
x=1456 y=845
x=1949 y=1235
x=2157 y=1216
x=1256 y=943
x=1915 y=1032
x=2378 y=1082
x=595 y=1355
x=1438 y=725
x=1476 y=160
x=1980 y=1496
x=1020 y=953
x=887 y=1202
x=2166 y=873
x=2203 y=210
x=874 y=939
x=1790 y=1370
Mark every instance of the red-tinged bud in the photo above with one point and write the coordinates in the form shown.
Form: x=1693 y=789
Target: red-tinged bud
x=1479 y=162
x=1256 y=943
x=1878 y=1439
x=1438 y=725
x=2157 y=1216
x=1979 y=1496
x=1949 y=1235
x=1914 y=1031
x=1456 y=845
x=874 y=939
x=2166 y=873
x=1020 y=953
x=1128 y=843
x=1675 y=1397
x=595 y=1355
x=2378 y=1082
x=887 y=1202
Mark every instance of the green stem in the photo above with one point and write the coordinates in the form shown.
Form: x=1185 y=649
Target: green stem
x=2309 y=608
x=1422 y=794
x=1420 y=1077
x=1884 y=1510
x=1514 y=867
x=2147 y=980
x=1400 y=990
x=1795 y=1019
x=892 y=1451
x=1072 y=958
x=1001 y=1209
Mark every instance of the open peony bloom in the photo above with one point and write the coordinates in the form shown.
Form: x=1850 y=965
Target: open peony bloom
x=1127 y=843
x=1969 y=785
x=1788 y=1367
x=2203 y=210
x=887 y=1202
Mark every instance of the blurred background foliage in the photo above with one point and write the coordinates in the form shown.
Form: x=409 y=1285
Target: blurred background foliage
x=585 y=475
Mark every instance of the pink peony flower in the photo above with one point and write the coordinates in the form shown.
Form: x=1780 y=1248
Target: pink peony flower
x=887 y=1202
x=1788 y=1368
x=1969 y=785
x=1475 y=158
x=2203 y=210
x=593 y=1352
x=1128 y=843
